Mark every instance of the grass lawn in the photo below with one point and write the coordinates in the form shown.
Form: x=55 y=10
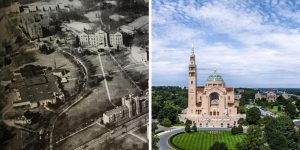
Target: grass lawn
x=276 y=111
x=204 y=139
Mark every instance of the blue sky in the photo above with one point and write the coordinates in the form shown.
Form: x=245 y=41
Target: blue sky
x=252 y=43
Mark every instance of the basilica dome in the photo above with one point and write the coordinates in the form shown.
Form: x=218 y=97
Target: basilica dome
x=215 y=77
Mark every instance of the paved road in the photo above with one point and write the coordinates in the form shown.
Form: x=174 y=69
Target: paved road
x=78 y=98
x=262 y=111
x=163 y=138
x=105 y=81
x=115 y=133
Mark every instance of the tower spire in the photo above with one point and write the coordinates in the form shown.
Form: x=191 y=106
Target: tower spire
x=193 y=48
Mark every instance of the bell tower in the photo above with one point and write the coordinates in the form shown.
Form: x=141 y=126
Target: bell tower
x=192 y=83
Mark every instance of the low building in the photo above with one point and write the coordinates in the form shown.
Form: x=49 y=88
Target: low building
x=59 y=72
x=258 y=96
x=136 y=105
x=240 y=91
x=140 y=24
x=36 y=91
x=237 y=97
x=286 y=95
x=127 y=29
x=271 y=96
x=43 y=7
x=132 y=106
x=116 y=115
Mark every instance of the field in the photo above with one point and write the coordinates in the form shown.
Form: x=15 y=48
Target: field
x=204 y=139
x=95 y=104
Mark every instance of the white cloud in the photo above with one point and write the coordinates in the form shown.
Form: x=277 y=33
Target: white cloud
x=267 y=54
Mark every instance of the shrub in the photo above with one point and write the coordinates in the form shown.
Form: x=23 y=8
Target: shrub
x=194 y=128
x=219 y=146
x=187 y=128
x=237 y=130
x=166 y=122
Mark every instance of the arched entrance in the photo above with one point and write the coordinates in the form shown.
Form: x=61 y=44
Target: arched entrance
x=214 y=99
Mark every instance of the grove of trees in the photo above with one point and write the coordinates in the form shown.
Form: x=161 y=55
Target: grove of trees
x=168 y=102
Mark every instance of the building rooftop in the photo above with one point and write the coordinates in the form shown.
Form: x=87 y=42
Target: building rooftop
x=115 y=110
x=215 y=77
x=42 y=88
x=35 y=80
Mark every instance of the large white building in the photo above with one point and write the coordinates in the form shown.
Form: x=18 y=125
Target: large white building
x=214 y=105
x=271 y=96
x=98 y=39
x=132 y=106
x=116 y=39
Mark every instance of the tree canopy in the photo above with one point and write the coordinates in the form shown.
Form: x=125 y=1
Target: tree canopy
x=254 y=140
x=253 y=116
x=168 y=102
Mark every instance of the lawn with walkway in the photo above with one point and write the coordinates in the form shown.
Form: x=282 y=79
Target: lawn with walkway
x=204 y=139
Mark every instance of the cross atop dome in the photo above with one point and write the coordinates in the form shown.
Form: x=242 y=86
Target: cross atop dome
x=192 y=48
x=215 y=71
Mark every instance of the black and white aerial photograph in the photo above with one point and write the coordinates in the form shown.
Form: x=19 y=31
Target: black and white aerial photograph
x=74 y=74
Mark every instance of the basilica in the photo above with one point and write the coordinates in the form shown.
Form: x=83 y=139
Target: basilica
x=213 y=105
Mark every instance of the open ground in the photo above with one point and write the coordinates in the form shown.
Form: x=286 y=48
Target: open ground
x=95 y=104
x=204 y=139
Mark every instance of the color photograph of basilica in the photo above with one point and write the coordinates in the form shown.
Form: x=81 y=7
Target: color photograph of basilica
x=213 y=105
x=223 y=75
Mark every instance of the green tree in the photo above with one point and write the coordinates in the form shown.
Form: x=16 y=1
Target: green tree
x=285 y=126
x=188 y=126
x=290 y=109
x=253 y=116
x=298 y=104
x=277 y=141
x=242 y=109
x=219 y=146
x=166 y=122
x=154 y=126
x=237 y=130
x=242 y=121
x=169 y=111
x=5 y=133
x=155 y=140
x=253 y=141
x=240 y=129
x=194 y=128
x=281 y=100
x=76 y=42
x=265 y=120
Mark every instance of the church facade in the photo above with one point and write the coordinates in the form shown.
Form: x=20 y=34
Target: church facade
x=213 y=105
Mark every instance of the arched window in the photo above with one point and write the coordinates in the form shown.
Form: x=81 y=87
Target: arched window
x=214 y=97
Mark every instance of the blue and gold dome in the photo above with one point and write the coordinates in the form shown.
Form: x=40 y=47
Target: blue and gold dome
x=215 y=77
